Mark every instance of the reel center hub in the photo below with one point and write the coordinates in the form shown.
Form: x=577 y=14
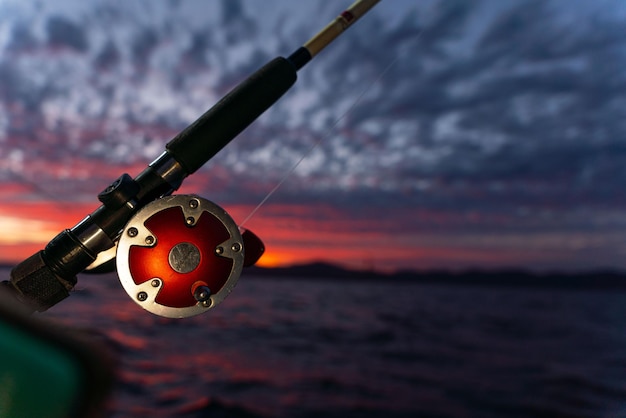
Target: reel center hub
x=184 y=257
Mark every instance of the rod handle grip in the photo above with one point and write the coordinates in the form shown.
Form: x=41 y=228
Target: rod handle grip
x=204 y=138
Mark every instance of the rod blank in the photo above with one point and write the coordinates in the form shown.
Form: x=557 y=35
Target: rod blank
x=339 y=25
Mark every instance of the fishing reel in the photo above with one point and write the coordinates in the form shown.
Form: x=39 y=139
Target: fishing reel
x=181 y=255
x=177 y=255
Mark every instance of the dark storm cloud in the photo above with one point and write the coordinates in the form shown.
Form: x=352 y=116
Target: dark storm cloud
x=237 y=26
x=22 y=38
x=64 y=32
x=534 y=31
x=29 y=97
x=143 y=43
x=523 y=110
x=199 y=46
x=108 y=56
x=517 y=97
x=449 y=22
x=232 y=10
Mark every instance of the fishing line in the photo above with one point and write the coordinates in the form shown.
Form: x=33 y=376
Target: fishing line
x=317 y=143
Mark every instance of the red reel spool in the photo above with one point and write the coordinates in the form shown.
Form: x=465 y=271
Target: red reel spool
x=180 y=256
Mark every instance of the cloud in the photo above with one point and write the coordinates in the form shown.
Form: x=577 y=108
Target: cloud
x=108 y=57
x=510 y=110
x=21 y=39
x=143 y=44
x=65 y=33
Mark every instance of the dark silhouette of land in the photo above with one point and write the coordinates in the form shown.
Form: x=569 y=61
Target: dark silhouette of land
x=601 y=279
x=506 y=277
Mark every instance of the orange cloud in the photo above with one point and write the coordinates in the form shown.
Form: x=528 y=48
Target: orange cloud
x=298 y=233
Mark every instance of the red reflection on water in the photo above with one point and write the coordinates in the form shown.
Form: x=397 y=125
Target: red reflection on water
x=148 y=379
x=127 y=340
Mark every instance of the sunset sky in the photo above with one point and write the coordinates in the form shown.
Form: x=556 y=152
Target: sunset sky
x=454 y=134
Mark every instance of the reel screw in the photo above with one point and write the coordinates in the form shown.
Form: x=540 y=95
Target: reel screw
x=202 y=293
x=236 y=247
x=219 y=250
x=155 y=283
x=190 y=220
x=193 y=203
x=149 y=240
x=142 y=296
x=132 y=232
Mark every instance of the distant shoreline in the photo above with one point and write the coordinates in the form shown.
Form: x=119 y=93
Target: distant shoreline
x=601 y=279
x=505 y=277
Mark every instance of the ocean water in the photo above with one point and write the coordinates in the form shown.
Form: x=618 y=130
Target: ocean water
x=325 y=348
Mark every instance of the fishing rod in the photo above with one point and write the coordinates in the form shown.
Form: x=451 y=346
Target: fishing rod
x=176 y=255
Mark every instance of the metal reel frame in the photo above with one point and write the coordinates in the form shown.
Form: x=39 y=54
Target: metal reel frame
x=192 y=251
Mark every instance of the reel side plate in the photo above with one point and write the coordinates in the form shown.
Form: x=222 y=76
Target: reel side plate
x=179 y=256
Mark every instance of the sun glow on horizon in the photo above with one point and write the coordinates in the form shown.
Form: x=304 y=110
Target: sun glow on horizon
x=16 y=230
x=270 y=260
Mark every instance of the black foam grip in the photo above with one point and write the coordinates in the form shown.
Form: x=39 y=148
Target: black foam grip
x=239 y=108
